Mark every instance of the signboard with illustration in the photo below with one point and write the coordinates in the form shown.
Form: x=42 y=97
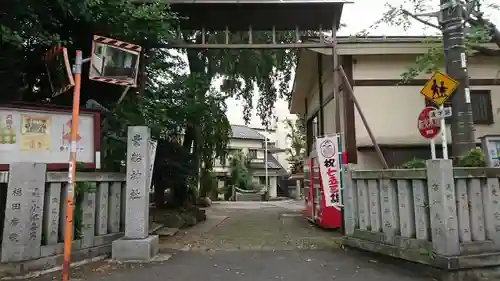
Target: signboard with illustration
x=35 y=133
x=328 y=160
x=8 y=135
x=38 y=134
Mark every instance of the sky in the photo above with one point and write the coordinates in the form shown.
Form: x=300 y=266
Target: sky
x=363 y=13
x=357 y=17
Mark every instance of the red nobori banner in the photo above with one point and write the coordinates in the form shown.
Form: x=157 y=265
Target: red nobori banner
x=327 y=148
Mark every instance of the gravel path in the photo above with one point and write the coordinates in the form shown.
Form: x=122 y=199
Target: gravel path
x=251 y=241
x=254 y=226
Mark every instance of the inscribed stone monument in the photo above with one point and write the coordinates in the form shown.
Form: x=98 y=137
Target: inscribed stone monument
x=137 y=213
x=137 y=244
x=22 y=233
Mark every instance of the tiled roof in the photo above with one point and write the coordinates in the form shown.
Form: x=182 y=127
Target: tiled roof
x=245 y=132
x=272 y=163
x=379 y=39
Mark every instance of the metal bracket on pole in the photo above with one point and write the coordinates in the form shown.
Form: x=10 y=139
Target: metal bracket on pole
x=123 y=95
x=85 y=60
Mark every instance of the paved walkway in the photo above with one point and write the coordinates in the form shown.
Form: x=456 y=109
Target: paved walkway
x=251 y=241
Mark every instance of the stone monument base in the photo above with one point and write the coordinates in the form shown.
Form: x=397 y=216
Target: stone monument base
x=135 y=250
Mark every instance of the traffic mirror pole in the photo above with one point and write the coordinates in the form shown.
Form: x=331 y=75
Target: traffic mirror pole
x=77 y=73
x=68 y=226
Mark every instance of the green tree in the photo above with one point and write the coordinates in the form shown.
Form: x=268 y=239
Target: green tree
x=240 y=171
x=29 y=28
x=297 y=138
x=172 y=103
x=243 y=73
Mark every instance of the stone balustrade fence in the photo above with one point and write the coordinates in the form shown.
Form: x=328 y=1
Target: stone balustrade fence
x=34 y=218
x=442 y=216
x=33 y=212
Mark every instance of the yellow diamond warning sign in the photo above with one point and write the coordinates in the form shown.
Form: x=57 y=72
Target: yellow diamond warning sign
x=439 y=88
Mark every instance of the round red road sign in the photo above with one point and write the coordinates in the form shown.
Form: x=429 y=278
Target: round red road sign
x=428 y=127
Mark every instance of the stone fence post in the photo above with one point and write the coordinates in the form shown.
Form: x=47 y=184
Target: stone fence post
x=350 y=201
x=442 y=207
x=137 y=245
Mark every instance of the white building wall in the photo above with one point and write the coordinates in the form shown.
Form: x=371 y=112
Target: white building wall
x=391 y=111
x=281 y=111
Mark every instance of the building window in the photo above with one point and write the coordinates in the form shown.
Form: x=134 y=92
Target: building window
x=270 y=144
x=262 y=180
x=233 y=151
x=482 y=110
x=252 y=153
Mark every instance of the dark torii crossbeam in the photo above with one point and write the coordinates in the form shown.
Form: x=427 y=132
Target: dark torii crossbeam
x=272 y=16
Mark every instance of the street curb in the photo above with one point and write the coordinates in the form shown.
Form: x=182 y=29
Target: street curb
x=54 y=269
x=160 y=257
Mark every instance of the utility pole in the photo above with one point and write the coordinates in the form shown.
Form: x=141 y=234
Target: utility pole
x=452 y=23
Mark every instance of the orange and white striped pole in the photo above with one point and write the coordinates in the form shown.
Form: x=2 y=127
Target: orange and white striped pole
x=68 y=226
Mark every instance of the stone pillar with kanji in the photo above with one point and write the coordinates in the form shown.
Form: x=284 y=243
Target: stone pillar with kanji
x=137 y=244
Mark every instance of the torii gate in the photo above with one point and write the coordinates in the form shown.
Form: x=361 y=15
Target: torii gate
x=301 y=16
x=317 y=16
x=231 y=16
x=257 y=15
x=265 y=15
